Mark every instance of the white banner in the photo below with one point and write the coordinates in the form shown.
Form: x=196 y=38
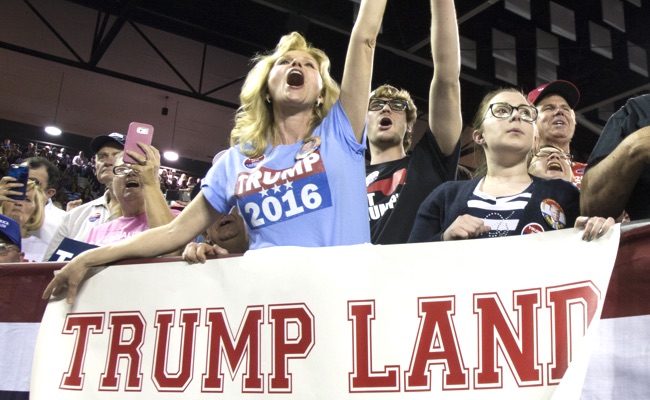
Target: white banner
x=500 y=318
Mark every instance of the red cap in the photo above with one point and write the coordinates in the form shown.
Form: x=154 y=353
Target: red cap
x=566 y=89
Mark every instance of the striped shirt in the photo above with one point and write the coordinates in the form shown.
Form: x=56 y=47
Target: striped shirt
x=501 y=214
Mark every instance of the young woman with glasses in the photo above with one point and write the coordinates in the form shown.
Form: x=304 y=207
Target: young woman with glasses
x=506 y=200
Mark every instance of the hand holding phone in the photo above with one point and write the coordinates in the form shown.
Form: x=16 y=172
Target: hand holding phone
x=11 y=189
x=21 y=173
x=138 y=132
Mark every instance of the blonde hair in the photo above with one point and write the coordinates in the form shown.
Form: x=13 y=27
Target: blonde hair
x=35 y=221
x=391 y=92
x=254 y=124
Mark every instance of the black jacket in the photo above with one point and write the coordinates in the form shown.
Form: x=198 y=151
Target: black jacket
x=441 y=208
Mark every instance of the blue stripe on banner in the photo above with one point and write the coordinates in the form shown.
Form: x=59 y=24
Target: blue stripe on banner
x=14 y=395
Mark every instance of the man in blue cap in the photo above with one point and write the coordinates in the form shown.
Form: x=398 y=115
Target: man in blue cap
x=79 y=221
x=10 y=243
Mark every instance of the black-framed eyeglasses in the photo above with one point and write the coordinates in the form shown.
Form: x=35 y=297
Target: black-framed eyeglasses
x=504 y=110
x=547 y=153
x=122 y=170
x=394 y=104
x=6 y=248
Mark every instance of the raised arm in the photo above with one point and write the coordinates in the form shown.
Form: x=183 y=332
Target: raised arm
x=607 y=186
x=445 y=119
x=357 y=75
x=196 y=217
x=155 y=205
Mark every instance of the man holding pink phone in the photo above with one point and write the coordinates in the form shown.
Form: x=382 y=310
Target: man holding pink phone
x=135 y=186
x=78 y=222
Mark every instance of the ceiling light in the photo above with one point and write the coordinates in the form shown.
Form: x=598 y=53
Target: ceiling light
x=170 y=155
x=53 y=129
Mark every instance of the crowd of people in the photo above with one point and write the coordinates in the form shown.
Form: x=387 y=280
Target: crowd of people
x=295 y=170
x=76 y=179
x=57 y=185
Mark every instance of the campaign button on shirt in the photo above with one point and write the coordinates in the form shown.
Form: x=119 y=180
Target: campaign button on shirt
x=251 y=163
x=95 y=217
x=533 y=227
x=553 y=214
x=311 y=145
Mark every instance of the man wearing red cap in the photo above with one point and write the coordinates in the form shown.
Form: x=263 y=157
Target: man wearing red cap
x=556 y=122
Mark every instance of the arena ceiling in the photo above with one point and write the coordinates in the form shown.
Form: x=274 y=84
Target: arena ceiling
x=96 y=65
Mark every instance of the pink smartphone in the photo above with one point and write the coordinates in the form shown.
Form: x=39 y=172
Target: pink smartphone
x=138 y=132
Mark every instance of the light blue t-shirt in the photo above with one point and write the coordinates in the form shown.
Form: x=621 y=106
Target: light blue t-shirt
x=319 y=200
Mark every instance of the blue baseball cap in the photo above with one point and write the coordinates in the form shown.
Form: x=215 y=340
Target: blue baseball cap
x=11 y=229
x=100 y=141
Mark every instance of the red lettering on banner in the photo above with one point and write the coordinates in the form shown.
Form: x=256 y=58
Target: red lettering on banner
x=82 y=324
x=518 y=346
x=222 y=342
x=561 y=299
x=436 y=343
x=362 y=379
x=286 y=346
x=122 y=347
x=178 y=381
x=503 y=336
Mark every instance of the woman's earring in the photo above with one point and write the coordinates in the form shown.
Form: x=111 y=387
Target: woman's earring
x=268 y=98
x=318 y=103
